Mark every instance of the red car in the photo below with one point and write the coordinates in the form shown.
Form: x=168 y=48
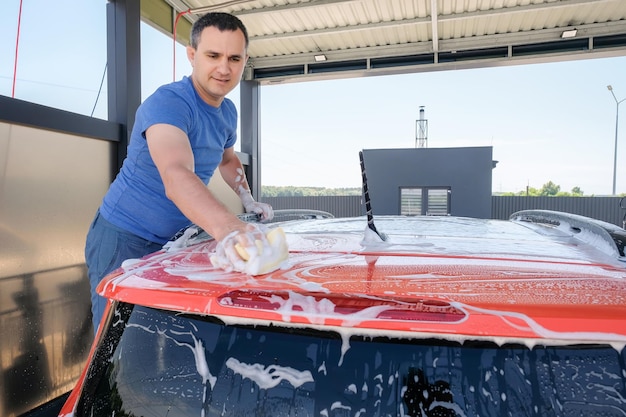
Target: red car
x=446 y=316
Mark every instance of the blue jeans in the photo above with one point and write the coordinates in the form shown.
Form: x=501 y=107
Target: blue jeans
x=106 y=248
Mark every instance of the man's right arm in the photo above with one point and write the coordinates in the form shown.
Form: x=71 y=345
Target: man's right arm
x=242 y=246
x=172 y=154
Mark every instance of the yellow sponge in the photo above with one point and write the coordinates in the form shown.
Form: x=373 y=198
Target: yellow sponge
x=266 y=259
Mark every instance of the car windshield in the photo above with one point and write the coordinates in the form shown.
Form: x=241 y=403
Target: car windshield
x=160 y=363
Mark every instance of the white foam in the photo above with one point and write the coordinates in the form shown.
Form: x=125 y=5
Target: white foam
x=270 y=376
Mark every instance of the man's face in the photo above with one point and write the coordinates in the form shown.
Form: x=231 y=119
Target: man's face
x=217 y=63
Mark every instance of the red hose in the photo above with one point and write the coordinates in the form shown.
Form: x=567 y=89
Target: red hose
x=174 y=49
x=17 y=41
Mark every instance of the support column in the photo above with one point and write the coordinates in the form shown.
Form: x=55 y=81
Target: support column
x=123 y=69
x=250 y=135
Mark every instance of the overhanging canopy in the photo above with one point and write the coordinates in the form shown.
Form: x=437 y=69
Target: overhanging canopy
x=297 y=40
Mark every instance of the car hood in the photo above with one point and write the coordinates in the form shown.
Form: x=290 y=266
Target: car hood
x=442 y=277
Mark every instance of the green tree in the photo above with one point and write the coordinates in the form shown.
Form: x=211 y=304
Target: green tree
x=529 y=191
x=295 y=191
x=550 y=189
x=577 y=192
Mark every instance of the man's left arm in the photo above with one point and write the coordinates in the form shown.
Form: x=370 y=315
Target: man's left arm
x=233 y=173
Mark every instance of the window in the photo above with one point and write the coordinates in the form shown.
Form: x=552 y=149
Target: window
x=411 y=201
x=157 y=363
x=431 y=201
x=438 y=203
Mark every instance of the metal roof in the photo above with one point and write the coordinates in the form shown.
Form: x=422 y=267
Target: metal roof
x=352 y=38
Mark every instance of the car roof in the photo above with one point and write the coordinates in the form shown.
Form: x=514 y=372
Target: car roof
x=444 y=277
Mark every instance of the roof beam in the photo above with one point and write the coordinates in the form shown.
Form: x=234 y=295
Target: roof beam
x=496 y=11
x=518 y=9
x=291 y=6
x=476 y=42
x=434 y=11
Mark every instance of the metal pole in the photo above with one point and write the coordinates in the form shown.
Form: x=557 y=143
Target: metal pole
x=615 y=150
x=617 y=103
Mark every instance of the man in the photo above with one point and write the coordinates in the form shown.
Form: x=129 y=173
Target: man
x=182 y=133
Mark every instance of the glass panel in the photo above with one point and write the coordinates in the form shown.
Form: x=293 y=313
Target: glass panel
x=157 y=57
x=48 y=197
x=167 y=364
x=59 y=65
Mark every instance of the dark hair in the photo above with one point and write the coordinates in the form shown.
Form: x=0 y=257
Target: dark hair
x=222 y=21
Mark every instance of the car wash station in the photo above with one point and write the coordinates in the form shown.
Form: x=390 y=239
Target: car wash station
x=48 y=196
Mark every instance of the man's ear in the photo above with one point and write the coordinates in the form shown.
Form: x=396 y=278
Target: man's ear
x=191 y=54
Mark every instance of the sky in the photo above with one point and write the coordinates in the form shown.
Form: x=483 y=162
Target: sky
x=546 y=122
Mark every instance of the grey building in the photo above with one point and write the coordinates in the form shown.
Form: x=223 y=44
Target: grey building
x=430 y=181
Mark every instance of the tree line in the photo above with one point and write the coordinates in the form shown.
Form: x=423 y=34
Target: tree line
x=295 y=191
x=548 y=189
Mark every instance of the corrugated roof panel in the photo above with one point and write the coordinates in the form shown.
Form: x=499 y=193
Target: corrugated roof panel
x=354 y=11
x=291 y=31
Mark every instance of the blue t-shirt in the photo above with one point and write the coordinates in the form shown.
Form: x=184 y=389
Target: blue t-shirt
x=136 y=200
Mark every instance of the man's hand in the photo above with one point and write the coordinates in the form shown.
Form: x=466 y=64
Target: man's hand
x=262 y=209
x=254 y=251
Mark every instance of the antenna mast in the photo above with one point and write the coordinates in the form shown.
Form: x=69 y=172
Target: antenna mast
x=421 y=130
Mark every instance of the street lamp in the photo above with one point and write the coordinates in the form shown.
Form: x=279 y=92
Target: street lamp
x=617 y=103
